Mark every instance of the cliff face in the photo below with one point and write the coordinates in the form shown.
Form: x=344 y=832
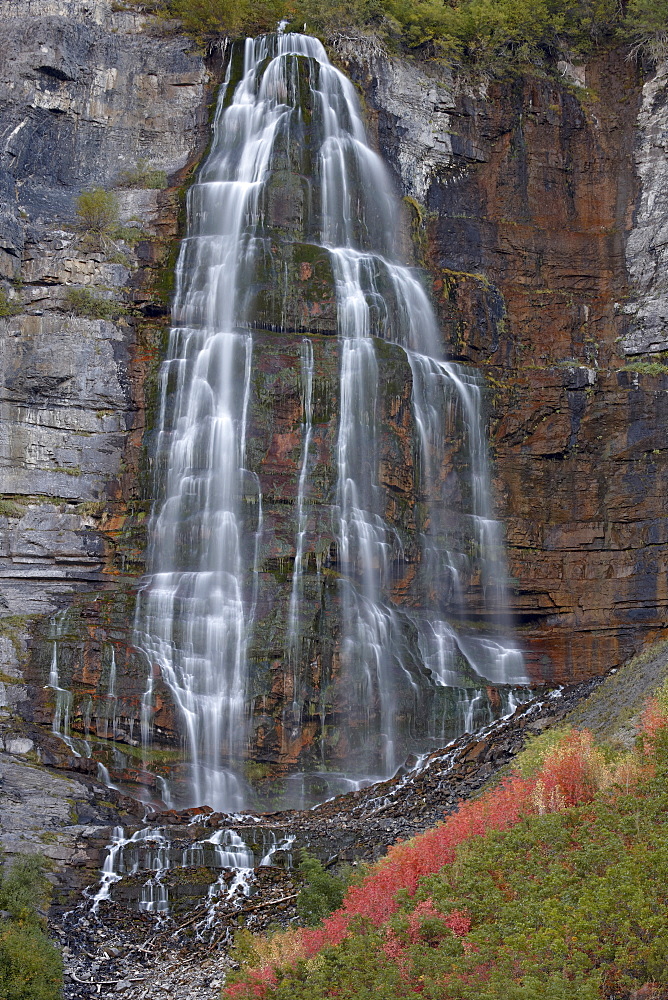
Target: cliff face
x=539 y=208
x=85 y=94
x=543 y=218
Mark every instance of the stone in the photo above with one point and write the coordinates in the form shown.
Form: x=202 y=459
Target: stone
x=18 y=745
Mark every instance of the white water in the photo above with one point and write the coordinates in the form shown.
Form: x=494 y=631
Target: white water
x=293 y=650
x=149 y=854
x=106 y=717
x=63 y=708
x=198 y=606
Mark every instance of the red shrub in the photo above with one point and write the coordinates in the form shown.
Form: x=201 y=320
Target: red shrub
x=653 y=721
x=572 y=773
x=459 y=922
x=255 y=987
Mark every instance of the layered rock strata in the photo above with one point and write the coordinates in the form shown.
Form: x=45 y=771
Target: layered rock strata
x=89 y=96
x=538 y=206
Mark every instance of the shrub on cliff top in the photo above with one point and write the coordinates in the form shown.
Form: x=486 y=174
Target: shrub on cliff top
x=215 y=17
x=646 y=27
x=494 y=37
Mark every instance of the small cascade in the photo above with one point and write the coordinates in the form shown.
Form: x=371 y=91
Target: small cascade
x=294 y=650
x=63 y=708
x=154 y=894
x=104 y=776
x=145 y=864
x=110 y=874
x=106 y=718
x=283 y=844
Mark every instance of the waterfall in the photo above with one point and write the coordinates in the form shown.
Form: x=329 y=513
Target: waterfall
x=292 y=187
x=293 y=644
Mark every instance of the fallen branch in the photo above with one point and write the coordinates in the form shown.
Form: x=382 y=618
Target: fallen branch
x=269 y=902
x=106 y=982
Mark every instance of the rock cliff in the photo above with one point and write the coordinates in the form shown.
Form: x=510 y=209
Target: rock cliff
x=538 y=205
x=86 y=94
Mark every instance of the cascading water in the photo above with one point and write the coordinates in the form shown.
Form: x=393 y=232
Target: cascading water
x=64 y=702
x=150 y=865
x=293 y=644
x=401 y=664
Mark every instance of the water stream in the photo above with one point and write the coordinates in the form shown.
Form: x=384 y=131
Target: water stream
x=403 y=671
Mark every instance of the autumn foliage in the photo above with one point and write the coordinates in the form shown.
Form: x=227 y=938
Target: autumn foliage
x=407 y=904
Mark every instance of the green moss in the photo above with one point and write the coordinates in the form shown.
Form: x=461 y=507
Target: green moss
x=255 y=772
x=47 y=837
x=143 y=176
x=9 y=508
x=646 y=368
x=11 y=623
x=92 y=508
x=163 y=755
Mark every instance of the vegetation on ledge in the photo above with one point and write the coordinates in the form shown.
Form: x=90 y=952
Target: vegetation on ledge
x=30 y=964
x=553 y=884
x=495 y=36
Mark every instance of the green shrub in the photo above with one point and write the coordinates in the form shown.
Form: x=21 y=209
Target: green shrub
x=10 y=509
x=143 y=176
x=82 y=302
x=7 y=307
x=646 y=27
x=131 y=234
x=494 y=36
x=97 y=211
x=30 y=964
x=232 y=17
x=322 y=892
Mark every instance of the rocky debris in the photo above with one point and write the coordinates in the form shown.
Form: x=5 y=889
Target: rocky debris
x=143 y=954
x=143 y=974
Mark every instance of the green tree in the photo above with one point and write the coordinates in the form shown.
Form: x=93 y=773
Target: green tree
x=322 y=891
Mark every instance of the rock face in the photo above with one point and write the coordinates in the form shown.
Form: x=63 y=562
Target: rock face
x=86 y=94
x=90 y=97
x=539 y=209
x=541 y=212
x=646 y=246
